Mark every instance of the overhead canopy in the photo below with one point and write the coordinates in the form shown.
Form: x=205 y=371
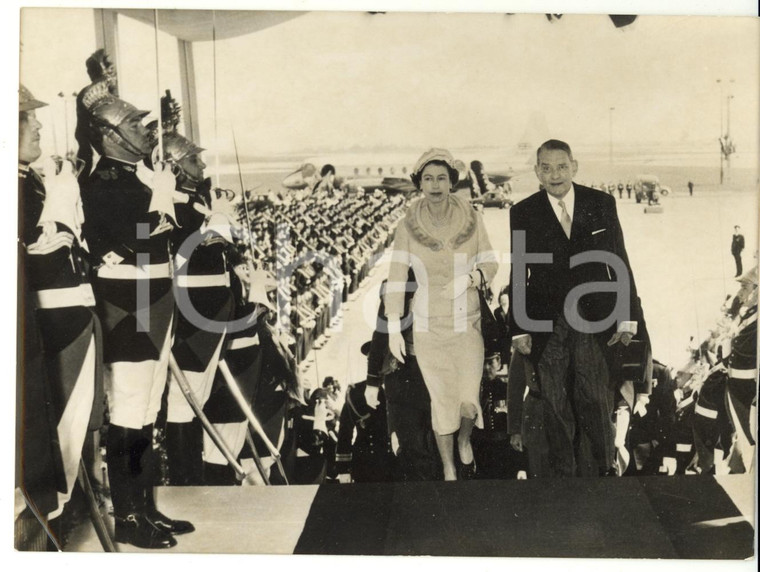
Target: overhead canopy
x=199 y=25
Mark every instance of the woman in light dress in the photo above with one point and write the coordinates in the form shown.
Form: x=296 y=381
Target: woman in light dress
x=444 y=240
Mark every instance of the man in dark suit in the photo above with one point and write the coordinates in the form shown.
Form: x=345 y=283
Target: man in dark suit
x=737 y=245
x=573 y=299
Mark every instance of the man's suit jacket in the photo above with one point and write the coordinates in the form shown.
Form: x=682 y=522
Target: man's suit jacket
x=595 y=226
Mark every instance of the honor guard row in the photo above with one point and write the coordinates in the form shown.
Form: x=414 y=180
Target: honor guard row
x=100 y=264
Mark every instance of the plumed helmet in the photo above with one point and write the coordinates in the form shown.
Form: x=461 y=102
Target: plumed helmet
x=104 y=108
x=104 y=113
x=177 y=147
x=26 y=101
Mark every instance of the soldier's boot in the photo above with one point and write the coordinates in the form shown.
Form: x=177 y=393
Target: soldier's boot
x=184 y=452
x=157 y=518
x=124 y=451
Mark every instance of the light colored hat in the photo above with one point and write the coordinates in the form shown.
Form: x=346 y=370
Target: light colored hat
x=26 y=101
x=434 y=154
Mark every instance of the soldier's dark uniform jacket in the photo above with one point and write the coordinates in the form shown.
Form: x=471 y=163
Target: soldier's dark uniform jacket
x=204 y=303
x=56 y=288
x=115 y=203
x=741 y=386
x=364 y=448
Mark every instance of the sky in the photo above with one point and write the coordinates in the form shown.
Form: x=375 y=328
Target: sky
x=345 y=80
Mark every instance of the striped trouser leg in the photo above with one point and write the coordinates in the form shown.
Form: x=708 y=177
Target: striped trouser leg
x=558 y=416
x=594 y=398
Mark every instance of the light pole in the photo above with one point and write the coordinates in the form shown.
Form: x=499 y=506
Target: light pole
x=611 y=110
x=729 y=143
x=720 y=133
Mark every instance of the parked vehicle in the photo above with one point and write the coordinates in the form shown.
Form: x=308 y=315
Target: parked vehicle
x=497 y=198
x=648 y=187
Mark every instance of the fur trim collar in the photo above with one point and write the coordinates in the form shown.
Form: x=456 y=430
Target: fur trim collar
x=464 y=215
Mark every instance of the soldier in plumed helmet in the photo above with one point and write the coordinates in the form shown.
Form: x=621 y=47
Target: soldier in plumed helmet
x=201 y=245
x=57 y=295
x=129 y=216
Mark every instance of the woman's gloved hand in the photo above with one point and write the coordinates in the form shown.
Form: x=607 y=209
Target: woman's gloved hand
x=396 y=342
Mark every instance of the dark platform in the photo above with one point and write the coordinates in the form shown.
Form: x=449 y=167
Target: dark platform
x=657 y=517
x=688 y=517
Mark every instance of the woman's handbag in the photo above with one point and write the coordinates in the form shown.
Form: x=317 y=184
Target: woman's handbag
x=489 y=327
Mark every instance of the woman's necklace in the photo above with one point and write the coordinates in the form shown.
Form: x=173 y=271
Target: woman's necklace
x=442 y=220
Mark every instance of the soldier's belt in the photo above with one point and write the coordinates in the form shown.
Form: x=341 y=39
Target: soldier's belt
x=683 y=447
x=202 y=280
x=81 y=295
x=131 y=272
x=705 y=412
x=742 y=373
x=240 y=343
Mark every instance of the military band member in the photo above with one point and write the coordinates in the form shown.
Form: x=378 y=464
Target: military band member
x=56 y=279
x=129 y=216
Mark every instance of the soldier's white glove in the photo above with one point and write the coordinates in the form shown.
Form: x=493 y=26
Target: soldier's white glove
x=396 y=342
x=223 y=205
x=162 y=185
x=62 y=202
x=371 y=396
x=669 y=464
x=640 y=407
x=223 y=218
